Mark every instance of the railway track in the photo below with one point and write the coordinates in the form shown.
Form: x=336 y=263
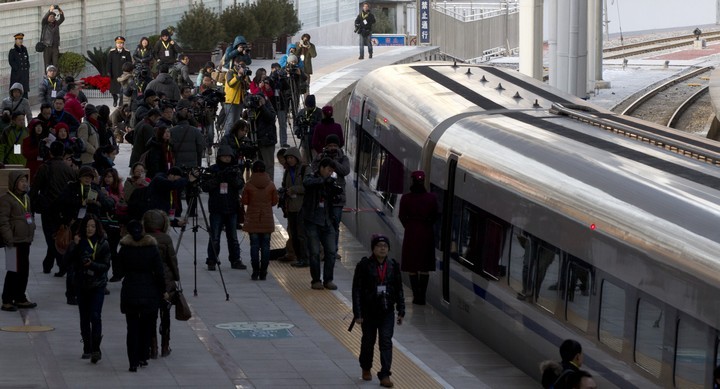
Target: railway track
x=633 y=49
x=681 y=102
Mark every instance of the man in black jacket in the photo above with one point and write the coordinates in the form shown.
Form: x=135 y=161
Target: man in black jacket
x=51 y=179
x=363 y=27
x=261 y=115
x=376 y=290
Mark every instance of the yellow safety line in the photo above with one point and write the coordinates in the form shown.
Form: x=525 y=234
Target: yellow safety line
x=335 y=316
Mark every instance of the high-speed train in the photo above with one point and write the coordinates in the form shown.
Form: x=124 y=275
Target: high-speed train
x=559 y=220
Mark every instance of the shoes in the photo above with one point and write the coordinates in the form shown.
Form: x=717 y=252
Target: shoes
x=86 y=356
x=165 y=351
x=371 y=57
x=386 y=383
x=9 y=308
x=317 y=285
x=72 y=301
x=367 y=375
x=25 y=304
x=330 y=285
x=143 y=363
x=133 y=369
x=115 y=278
x=254 y=276
x=300 y=264
x=361 y=57
x=263 y=275
x=211 y=267
x=284 y=145
x=107 y=291
x=238 y=265
x=61 y=273
x=95 y=356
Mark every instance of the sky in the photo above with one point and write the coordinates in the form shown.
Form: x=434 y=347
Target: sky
x=642 y=15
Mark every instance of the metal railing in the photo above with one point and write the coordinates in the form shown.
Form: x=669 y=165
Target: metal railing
x=470 y=12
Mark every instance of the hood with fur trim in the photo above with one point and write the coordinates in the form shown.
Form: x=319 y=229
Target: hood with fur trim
x=146 y=240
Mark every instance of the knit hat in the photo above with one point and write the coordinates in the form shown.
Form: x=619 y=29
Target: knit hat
x=418 y=175
x=377 y=238
x=135 y=229
x=327 y=110
x=86 y=171
x=61 y=125
x=332 y=139
x=225 y=150
x=90 y=109
x=149 y=93
x=49 y=68
x=310 y=101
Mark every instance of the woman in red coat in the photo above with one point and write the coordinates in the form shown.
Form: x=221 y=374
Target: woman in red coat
x=32 y=147
x=260 y=196
x=418 y=213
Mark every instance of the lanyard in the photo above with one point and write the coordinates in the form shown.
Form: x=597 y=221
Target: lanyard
x=171 y=199
x=18 y=137
x=52 y=83
x=237 y=142
x=82 y=194
x=381 y=274
x=93 y=247
x=166 y=45
x=23 y=204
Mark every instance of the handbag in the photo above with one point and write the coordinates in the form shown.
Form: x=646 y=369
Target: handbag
x=63 y=236
x=182 y=309
x=40 y=47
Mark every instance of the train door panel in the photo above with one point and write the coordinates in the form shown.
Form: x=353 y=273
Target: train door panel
x=547 y=276
x=449 y=219
x=576 y=287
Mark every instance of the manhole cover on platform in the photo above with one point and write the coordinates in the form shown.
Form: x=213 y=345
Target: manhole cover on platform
x=27 y=328
x=257 y=329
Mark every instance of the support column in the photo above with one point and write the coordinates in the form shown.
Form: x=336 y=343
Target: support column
x=562 y=23
x=531 y=29
x=577 y=72
x=552 y=42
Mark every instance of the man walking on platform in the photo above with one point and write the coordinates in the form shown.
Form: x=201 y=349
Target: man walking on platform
x=363 y=27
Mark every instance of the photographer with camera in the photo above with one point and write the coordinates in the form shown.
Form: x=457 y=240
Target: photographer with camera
x=320 y=190
x=342 y=169
x=244 y=150
x=306 y=51
x=164 y=84
x=188 y=141
x=376 y=291
x=223 y=187
x=305 y=122
x=50 y=35
x=209 y=97
x=237 y=82
x=282 y=95
x=238 y=52
x=260 y=114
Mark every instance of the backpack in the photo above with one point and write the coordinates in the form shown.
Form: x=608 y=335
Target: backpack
x=139 y=202
x=176 y=75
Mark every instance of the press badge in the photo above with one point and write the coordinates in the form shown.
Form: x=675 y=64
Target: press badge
x=322 y=204
x=223 y=188
x=16 y=149
x=381 y=289
x=172 y=214
x=167 y=53
x=82 y=212
x=53 y=94
x=28 y=218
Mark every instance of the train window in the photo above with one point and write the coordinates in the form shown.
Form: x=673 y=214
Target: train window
x=612 y=316
x=649 y=330
x=364 y=154
x=577 y=293
x=492 y=248
x=690 y=355
x=519 y=263
x=547 y=276
x=469 y=237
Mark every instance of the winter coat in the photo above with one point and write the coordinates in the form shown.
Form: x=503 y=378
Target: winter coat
x=47 y=86
x=161 y=189
x=67 y=118
x=292 y=182
x=89 y=134
x=33 y=158
x=141 y=267
x=12 y=136
x=309 y=52
x=171 y=49
x=18 y=105
x=313 y=117
x=317 y=191
x=284 y=60
x=342 y=169
x=157 y=223
x=129 y=186
x=93 y=276
x=236 y=87
x=14 y=227
x=101 y=163
x=327 y=126
x=221 y=173
x=50 y=181
x=72 y=199
x=184 y=74
x=165 y=84
x=188 y=143
x=364 y=22
x=19 y=68
x=364 y=288
x=51 y=37
x=74 y=107
x=143 y=132
x=260 y=196
x=418 y=214
x=143 y=56
x=232 y=51
x=160 y=157
x=242 y=148
x=264 y=124
x=115 y=62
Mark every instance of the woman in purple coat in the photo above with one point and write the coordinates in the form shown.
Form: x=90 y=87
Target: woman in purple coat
x=418 y=213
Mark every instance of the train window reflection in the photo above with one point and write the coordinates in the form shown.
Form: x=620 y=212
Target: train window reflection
x=578 y=294
x=690 y=355
x=469 y=247
x=492 y=248
x=364 y=154
x=519 y=264
x=547 y=276
x=612 y=316
x=649 y=331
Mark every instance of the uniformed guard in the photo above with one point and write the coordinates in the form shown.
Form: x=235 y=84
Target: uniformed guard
x=20 y=64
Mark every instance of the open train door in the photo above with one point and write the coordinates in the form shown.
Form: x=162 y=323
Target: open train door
x=446 y=235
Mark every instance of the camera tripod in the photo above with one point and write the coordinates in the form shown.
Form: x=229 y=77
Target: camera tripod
x=193 y=193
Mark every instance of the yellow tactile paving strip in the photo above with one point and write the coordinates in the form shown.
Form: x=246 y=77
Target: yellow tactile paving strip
x=335 y=317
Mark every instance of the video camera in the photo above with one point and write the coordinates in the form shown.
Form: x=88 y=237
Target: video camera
x=333 y=191
x=242 y=70
x=210 y=98
x=303 y=128
x=254 y=102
